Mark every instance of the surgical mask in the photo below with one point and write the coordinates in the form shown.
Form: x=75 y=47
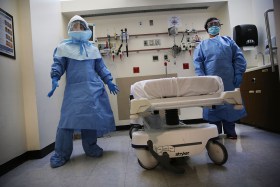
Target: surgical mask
x=80 y=35
x=214 y=30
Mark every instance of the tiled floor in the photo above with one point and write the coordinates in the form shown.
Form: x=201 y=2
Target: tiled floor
x=253 y=161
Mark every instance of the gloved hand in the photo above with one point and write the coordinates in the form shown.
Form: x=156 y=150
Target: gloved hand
x=237 y=80
x=54 y=85
x=113 y=88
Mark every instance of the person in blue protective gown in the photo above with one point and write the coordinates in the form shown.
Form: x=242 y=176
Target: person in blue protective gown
x=220 y=56
x=85 y=104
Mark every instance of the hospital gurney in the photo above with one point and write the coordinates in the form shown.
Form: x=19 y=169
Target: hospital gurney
x=159 y=137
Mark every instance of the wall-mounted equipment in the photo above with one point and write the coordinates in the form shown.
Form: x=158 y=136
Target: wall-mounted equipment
x=155 y=58
x=93 y=36
x=136 y=70
x=245 y=35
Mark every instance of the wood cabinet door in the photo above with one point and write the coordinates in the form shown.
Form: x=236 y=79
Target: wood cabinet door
x=249 y=103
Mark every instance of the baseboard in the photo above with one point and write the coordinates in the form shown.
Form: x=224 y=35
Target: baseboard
x=29 y=155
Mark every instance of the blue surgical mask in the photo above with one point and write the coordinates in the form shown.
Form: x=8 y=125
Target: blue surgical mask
x=80 y=35
x=214 y=30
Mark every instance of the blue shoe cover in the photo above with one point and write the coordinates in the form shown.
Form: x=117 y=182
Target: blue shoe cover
x=95 y=151
x=57 y=161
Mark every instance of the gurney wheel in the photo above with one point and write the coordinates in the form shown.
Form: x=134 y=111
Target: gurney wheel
x=150 y=167
x=134 y=128
x=146 y=159
x=217 y=152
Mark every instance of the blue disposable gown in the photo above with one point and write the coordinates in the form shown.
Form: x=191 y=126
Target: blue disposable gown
x=222 y=57
x=85 y=103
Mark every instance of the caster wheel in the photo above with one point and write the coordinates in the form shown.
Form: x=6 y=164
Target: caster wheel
x=217 y=152
x=150 y=167
x=134 y=128
x=146 y=159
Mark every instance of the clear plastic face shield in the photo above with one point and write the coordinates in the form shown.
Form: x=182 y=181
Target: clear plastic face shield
x=77 y=26
x=79 y=31
x=214 y=23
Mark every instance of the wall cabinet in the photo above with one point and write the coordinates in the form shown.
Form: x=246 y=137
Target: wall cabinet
x=260 y=92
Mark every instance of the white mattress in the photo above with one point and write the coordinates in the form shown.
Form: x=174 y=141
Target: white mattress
x=177 y=87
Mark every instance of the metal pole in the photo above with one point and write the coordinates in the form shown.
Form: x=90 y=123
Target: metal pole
x=269 y=38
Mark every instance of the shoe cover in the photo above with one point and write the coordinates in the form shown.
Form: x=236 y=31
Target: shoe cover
x=95 y=151
x=57 y=161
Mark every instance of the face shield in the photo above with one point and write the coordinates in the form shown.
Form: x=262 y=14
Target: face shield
x=214 y=23
x=77 y=26
x=78 y=29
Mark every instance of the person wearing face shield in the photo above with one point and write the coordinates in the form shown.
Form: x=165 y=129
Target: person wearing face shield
x=86 y=105
x=220 y=56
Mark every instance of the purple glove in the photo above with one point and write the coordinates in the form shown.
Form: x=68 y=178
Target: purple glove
x=113 y=88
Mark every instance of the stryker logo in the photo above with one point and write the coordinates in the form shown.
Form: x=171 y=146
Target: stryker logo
x=182 y=154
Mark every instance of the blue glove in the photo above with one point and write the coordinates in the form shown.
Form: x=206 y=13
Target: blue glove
x=237 y=80
x=113 y=88
x=54 y=86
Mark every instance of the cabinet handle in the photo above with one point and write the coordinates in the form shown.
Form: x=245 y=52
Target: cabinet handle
x=265 y=70
x=251 y=91
x=258 y=91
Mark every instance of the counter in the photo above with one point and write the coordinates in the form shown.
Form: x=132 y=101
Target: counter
x=260 y=91
x=254 y=68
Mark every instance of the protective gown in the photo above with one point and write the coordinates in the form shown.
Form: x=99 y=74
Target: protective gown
x=222 y=57
x=85 y=104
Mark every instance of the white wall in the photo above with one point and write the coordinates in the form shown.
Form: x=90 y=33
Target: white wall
x=27 y=77
x=46 y=29
x=28 y=119
x=252 y=14
x=12 y=133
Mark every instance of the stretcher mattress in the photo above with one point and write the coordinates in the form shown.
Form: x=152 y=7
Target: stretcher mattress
x=177 y=87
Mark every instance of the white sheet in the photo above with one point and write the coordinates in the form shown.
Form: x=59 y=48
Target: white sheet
x=177 y=87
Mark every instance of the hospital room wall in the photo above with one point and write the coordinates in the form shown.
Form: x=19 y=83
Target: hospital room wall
x=252 y=14
x=143 y=60
x=28 y=119
x=12 y=129
x=47 y=33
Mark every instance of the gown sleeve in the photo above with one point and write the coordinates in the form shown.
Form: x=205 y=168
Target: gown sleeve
x=239 y=62
x=59 y=66
x=198 y=60
x=102 y=71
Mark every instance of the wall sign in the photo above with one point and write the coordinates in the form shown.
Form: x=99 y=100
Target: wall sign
x=7 y=39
